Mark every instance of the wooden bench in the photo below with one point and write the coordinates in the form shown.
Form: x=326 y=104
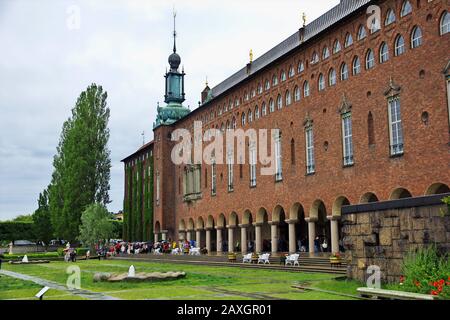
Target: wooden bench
x=393 y=295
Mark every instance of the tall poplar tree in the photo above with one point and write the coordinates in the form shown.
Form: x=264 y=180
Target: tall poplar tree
x=41 y=218
x=82 y=164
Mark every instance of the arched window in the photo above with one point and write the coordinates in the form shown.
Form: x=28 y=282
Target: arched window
x=283 y=75
x=356 y=66
x=250 y=116
x=271 y=106
x=274 y=80
x=332 y=78
x=259 y=88
x=291 y=72
x=348 y=40
x=296 y=94
x=445 y=23
x=306 y=89
x=361 y=32
x=370 y=59
x=416 y=37
x=256 y=113
x=321 y=82
x=243 y=118
x=399 y=45
x=228 y=125
x=267 y=85
x=315 y=58
x=263 y=110
x=288 y=98
x=344 y=72
x=390 y=17
x=406 y=8
x=301 y=67
x=292 y=152
x=279 y=102
x=384 y=52
x=253 y=93
x=233 y=123
x=325 y=53
x=336 y=46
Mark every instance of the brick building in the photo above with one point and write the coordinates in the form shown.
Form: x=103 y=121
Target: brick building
x=362 y=105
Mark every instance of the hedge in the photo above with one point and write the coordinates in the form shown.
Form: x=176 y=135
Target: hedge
x=31 y=255
x=80 y=251
x=12 y=231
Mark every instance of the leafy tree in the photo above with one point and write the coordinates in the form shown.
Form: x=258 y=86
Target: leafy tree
x=95 y=225
x=41 y=217
x=82 y=164
x=23 y=218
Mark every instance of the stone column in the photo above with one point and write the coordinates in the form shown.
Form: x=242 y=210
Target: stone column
x=198 y=238
x=292 y=235
x=164 y=235
x=231 y=238
x=243 y=238
x=156 y=237
x=181 y=235
x=258 y=240
x=274 y=236
x=219 y=239
x=208 y=240
x=189 y=235
x=311 y=233
x=334 y=220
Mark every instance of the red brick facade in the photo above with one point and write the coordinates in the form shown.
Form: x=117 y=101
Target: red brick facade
x=418 y=78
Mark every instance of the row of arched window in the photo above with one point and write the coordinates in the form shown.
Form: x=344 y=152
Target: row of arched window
x=415 y=40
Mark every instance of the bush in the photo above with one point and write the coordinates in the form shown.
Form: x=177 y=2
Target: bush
x=11 y=231
x=45 y=255
x=427 y=272
x=80 y=251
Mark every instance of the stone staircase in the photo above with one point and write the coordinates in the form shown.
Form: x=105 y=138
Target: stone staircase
x=307 y=263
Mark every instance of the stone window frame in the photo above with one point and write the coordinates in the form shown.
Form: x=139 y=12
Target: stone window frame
x=399 y=49
x=444 y=28
x=416 y=37
x=390 y=17
x=396 y=141
x=406 y=9
x=321 y=82
x=309 y=146
x=384 y=52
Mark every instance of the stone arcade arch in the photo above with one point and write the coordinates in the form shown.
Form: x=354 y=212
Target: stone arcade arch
x=298 y=228
x=220 y=236
x=335 y=223
x=279 y=230
x=211 y=237
x=369 y=197
x=400 y=193
x=437 y=188
x=233 y=238
x=190 y=229
x=247 y=233
x=262 y=231
x=319 y=227
x=182 y=229
x=200 y=233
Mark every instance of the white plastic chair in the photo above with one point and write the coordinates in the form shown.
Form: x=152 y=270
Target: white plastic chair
x=264 y=258
x=293 y=259
x=247 y=258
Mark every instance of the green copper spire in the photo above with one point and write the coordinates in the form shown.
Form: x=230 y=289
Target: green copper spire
x=174 y=95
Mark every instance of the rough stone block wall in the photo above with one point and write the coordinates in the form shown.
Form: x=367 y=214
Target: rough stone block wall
x=383 y=237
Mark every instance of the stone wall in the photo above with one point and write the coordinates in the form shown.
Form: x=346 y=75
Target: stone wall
x=381 y=233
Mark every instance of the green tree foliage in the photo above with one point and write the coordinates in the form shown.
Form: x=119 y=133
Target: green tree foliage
x=96 y=226
x=23 y=218
x=82 y=164
x=12 y=231
x=41 y=217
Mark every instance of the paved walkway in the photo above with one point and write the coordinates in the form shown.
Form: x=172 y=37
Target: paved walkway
x=87 y=294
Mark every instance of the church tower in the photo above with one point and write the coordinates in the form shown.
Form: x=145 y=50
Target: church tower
x=174 y=94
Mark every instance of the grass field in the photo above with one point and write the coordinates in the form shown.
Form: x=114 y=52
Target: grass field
x=200 y=283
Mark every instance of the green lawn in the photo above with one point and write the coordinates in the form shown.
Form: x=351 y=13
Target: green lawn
x=201 y=282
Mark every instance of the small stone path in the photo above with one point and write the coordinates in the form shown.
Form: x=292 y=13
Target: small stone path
x=87 y=294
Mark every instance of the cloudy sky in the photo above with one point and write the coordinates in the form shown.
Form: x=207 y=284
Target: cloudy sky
x=48 y=56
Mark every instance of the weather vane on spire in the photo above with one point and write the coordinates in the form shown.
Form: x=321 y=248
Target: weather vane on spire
x=174 y=29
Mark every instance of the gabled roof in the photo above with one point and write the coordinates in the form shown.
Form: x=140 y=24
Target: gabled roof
x=334 y=15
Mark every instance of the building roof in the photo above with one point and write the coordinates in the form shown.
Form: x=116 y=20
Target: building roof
x=144 y=147
x=334 y=15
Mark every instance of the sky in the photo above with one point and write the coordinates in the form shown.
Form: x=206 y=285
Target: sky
x=52 y=50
